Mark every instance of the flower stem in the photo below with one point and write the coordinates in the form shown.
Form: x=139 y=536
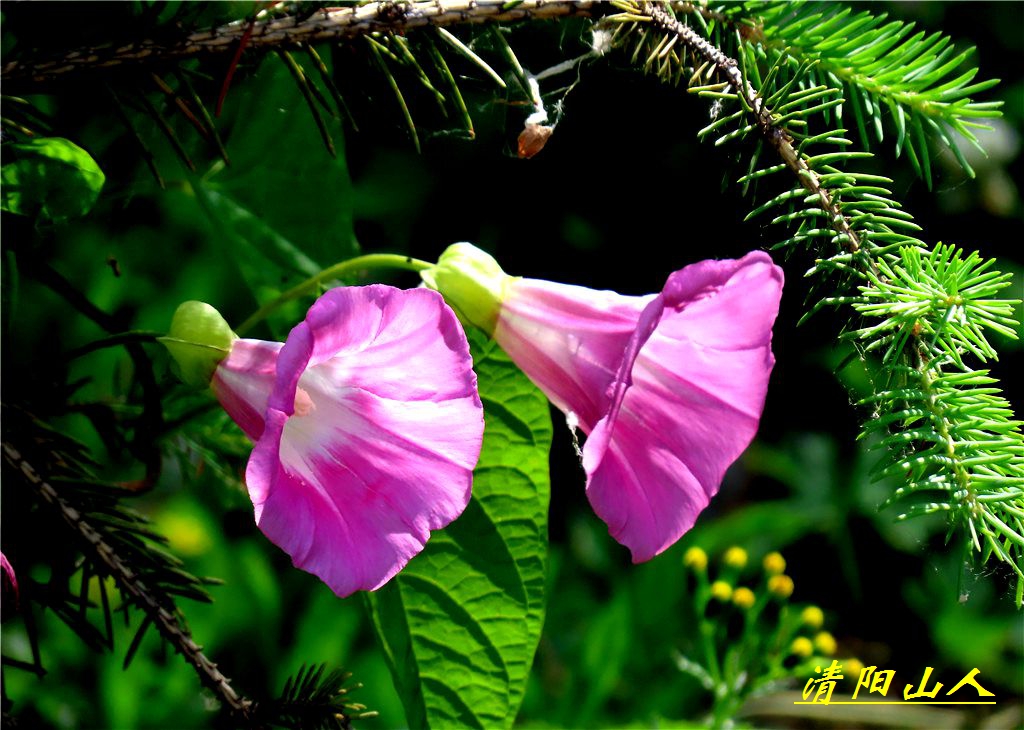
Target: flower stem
x=113 y=341
x=369 y=261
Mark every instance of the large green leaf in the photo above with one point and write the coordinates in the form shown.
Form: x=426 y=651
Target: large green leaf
x=460 y=624
x=50 y=177
x=283 y=208
x=268 y=262
x=280 y=169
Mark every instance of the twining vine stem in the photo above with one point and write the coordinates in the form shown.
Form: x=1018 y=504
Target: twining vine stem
x=775 y=135
x=328 y=24
x=310 y=285
x=128 y=580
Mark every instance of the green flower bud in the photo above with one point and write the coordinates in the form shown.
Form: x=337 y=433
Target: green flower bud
x=472 y=283
x=198 y=340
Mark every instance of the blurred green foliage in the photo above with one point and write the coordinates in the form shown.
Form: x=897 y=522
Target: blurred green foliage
x=51 y=178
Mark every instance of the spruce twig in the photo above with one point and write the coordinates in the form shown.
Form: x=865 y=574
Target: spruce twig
x=946 y=431
x=776 y=135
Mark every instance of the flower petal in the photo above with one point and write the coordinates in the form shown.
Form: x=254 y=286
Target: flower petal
x=569 y=341
x=686 y=401
x=10 y=584
x=372 y=432
x=243 y=381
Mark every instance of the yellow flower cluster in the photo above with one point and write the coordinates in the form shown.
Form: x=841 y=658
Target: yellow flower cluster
x=801 y=632
x=777 y=585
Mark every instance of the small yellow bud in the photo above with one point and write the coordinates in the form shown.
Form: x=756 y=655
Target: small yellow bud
x=853 y=667
x=801 y=646
x=743 y=597
x=825 y=643
x=781 y=586
x=185 y=532
x=812 y=616
x=695 y=558
x=735 y=557
x=721 y=590
x=774 y=563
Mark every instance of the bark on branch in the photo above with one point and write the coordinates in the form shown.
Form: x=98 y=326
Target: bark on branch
x=270 y=32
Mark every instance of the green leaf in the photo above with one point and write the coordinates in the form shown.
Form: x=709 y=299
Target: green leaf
x=460 y=624
x=606 y=650
x=259 y=245
x=50 y=177
x=280 y=171
x=269 y=262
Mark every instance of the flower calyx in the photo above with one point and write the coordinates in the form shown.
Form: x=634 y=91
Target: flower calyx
x=471 y=282
x=199 y=338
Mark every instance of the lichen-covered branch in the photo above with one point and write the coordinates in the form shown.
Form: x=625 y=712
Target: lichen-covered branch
x=270 y=32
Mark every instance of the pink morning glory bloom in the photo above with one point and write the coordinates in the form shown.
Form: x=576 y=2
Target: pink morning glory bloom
x=9 y=580
x=669 y=388
x=367 y=425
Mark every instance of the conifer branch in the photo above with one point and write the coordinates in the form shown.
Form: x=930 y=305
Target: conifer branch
x=150 y=421
x=157 y=609
x=945 y=430
x=314 y=699
x=776 y=136
x=290 y=31
x=919 y=78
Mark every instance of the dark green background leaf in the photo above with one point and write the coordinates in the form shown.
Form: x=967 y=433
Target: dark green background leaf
x=283 y=208
x=281 y=172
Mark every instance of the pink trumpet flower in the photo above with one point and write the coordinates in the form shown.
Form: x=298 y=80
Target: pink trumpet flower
x=669 y=387
x=367 y=425
x=10 y=583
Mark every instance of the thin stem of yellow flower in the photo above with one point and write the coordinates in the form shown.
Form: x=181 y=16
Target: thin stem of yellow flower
x=369 y=261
